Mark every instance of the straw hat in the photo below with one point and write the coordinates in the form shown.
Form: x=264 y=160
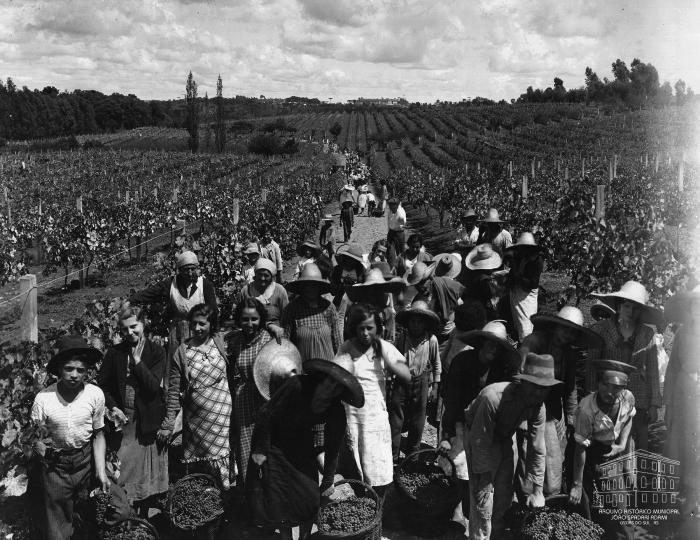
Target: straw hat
x=526 y=242
x=309 y=274
x=601 y=311
x=186 y=258
x=613 y=371
x=352 y=390
x=538 y=369
x=677 y=308
x=275 y=360
x=69 y=346
x=373 y=284
x=418 y=273
x=252 y=247
x=385 y=268
x=327 y=217
x=447 y=265
x=570 y=317
x=493 y=331
x=353 y=251
x=492 y=216
x=309 y=244
x=483 y=257
x=634 y=291
x=419 y=308
x=469 y=213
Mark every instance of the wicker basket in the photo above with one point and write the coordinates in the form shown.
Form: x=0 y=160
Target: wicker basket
x=212 y=521
x=427 y=518
x=130 y=525
x=373 y=529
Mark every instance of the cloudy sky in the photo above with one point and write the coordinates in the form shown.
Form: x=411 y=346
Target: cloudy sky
x=422 y=50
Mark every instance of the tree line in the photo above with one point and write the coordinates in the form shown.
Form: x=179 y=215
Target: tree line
x=634 y=86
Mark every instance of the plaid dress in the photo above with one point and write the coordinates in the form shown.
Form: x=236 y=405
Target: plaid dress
x=247 y=401
x=315 y=331
x=207 y=410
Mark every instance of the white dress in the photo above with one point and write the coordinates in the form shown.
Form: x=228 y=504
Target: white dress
x=368 y=432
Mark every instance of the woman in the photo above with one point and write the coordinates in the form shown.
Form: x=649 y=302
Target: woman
x=283 y=449
x=628 y=339
x=310 y=321
x=198 y=373
x=251 y=318
x=131 y=378
x=368 y=357
x=415 y=252
x=682 y=416
x=378 y=291
x=269 y=293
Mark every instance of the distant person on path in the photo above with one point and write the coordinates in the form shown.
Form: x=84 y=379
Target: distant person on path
x=347 y=219
x=493 y=233
x=523 y=281
x=326 y=238
x=362 y=201
x=271 y=250
x=73 y=411
x=384 y=196
x=184 y=291
x=371 y=204
x=396 y=222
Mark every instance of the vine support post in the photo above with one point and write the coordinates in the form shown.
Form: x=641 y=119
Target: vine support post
x=615 y=165
x=681 y=171
x=79 y=203
x=523 y=191
x=583 y=168
x=656 y=163
x=30 y=318
x=600 y=201
x=510 y=169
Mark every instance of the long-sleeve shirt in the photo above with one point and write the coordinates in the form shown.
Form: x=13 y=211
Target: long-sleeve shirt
x=421 y=356
x=492 y=419
x=272 y=251
x=639 y=351
x=160 y=292
x=562 y=397
x=327 y=236
x=525 y=272
x=397 y=220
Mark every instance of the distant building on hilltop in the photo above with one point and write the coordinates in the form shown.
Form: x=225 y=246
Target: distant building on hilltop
x=382 y=102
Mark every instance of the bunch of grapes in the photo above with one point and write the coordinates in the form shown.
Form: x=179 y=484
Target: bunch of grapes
x=127 y=530
x=559 y=525
x=429 y=488
x=347 y=516
x=194 y=502
x=103 y=507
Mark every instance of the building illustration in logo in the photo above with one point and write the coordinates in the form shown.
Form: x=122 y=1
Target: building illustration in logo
x=640 y=479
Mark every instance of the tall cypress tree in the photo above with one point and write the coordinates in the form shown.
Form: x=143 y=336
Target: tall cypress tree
x=192 y=121
x=220 y=128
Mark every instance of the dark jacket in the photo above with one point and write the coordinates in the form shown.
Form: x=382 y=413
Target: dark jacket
x=149 y=399
x=525 y=272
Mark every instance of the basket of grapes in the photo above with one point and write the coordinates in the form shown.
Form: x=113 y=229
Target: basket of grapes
x=130 y=529
x=195 y=502
x=358 y=517
x=557 y=521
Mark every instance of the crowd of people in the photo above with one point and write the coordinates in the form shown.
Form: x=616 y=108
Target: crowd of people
x=324 y=374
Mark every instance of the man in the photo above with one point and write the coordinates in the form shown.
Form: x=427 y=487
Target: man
x=490 y=422
x=493 y=232
x=602 y=430
x=467 y=232
x=561 y=336
x=271 y=250
x=384 y=196
x=73 y=412
x=396 y=220
x=526 y=265
x=251 y=254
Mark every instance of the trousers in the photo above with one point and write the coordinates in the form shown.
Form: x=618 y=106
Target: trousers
x=59 y=485
x=407 y=409
x=640 y=430
x=396 y=242
x=554 y=460
x=523 y=304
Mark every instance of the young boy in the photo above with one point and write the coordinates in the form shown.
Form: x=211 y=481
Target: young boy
x=326 y=238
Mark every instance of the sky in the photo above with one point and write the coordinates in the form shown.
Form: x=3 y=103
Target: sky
x=422 y=50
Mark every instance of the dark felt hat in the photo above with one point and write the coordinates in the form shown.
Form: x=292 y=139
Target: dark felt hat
x=70 y=346
x=538 y=369
x=613 y=371
x=352 y=390
x=570 y=317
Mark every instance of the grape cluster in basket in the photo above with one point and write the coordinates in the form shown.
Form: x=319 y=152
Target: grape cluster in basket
x=347 y=516
x=195 y=501
x=548 y=524
x=102 y=507
x=426 y=487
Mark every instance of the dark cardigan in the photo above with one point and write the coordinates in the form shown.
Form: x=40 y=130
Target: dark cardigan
x=149 y=400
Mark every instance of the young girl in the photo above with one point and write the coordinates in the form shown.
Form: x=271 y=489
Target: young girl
x=308 y=253
x=408 y=402
x=367 y=357
x=198 y=373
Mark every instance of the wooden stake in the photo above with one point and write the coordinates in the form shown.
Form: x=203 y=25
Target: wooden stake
x=600 y=201
x=681 y=171
x=524 y=187
x=79 y=203
x=30 y=319
x=236 y=211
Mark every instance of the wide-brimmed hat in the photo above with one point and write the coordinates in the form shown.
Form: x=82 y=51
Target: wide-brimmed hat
x=327 y=217
x=186 y=258
x=419 y=308
x=252 y=247
x=496 y=332
x=526 y=242
x=446 y=265
x=492 y=216
x=469 y=213
x=635 y=292
x=315 y=248
x=538 y=369
x=613 y=371
x=309 y=274
x=352 y=251
x=599 y=311
x=349 y=187
x=275 y=361
x=373 y=284
x=352 y=390
x=570 y=317
x=677 y=308
x=418 y=273
x=69 y=346
x=483 y=257
x=385 y=268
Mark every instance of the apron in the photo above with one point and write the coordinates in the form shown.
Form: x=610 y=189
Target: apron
x=179 y=329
